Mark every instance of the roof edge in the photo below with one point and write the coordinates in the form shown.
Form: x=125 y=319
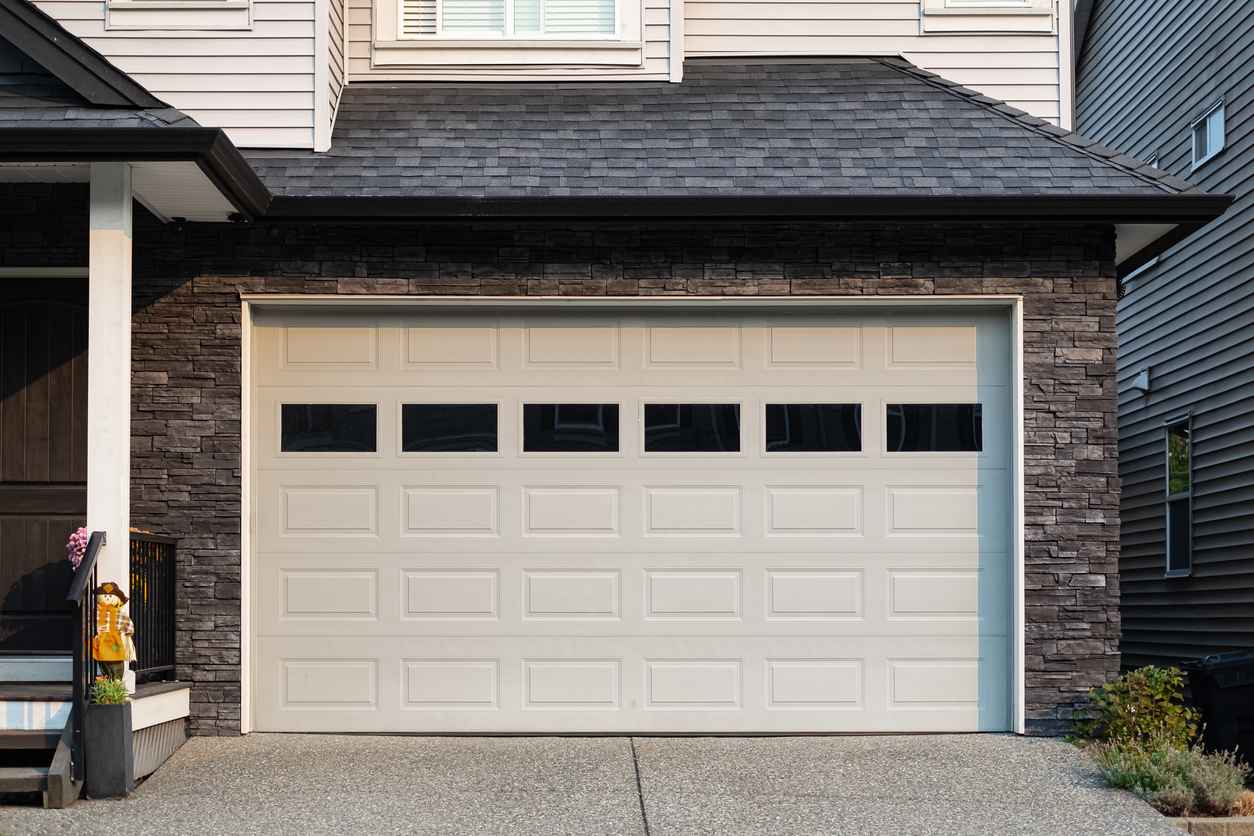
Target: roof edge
x=1076 y=142
x=81 y=68
x=1165 y=208
x=209 y=148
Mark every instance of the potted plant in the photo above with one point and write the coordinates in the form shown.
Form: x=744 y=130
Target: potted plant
x=107 y=736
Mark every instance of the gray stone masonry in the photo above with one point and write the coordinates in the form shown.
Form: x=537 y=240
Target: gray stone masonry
x=186 y=394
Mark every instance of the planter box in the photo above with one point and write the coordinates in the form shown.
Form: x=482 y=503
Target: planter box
x=1230 y=826
x=110 y=752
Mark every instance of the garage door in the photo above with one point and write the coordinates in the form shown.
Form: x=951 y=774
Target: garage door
x=648 y=522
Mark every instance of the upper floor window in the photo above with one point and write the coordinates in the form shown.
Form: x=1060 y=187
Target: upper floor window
x=474 y=19
x=1208 y=135
x=1179 y=511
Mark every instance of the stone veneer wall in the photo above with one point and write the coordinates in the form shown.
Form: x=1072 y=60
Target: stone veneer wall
x=186 y=410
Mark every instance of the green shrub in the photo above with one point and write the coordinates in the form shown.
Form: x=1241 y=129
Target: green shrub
x=1176 y=781
x=1146 y=704
x=105 y=691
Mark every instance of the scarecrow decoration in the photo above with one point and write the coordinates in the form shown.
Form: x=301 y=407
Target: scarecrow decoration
x=112 y=647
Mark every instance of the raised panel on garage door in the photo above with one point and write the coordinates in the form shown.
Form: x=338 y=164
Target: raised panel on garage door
x=633 y=522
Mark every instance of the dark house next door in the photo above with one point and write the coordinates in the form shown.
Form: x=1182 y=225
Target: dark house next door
x=43 y=456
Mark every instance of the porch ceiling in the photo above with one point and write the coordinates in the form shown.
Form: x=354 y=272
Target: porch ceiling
x=168 y=189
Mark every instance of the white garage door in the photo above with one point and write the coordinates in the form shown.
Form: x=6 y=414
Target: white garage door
x=637 y=521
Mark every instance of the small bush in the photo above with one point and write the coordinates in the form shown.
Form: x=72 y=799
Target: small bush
x=1146 y=704
x=105 y=691
x=1244 y=805
x=1176 y=781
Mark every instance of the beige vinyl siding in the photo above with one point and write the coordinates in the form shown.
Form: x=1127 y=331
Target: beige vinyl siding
x=335 y=51
x=1021 y=69
x=656 y=65
x=256 y=83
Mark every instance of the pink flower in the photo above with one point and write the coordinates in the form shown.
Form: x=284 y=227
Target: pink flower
x=76 y=546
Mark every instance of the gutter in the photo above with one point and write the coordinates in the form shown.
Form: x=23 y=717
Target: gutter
x=209 y=148
x=1164 y=208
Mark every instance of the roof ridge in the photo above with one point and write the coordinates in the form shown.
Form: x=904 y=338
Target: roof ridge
x=1077 y=142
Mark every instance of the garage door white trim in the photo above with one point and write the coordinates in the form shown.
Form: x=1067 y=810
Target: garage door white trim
x=1012 y=304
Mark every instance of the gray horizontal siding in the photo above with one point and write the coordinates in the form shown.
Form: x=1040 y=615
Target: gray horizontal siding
x=1149 y=69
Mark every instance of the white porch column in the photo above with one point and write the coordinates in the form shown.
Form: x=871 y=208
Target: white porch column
x=109 y=370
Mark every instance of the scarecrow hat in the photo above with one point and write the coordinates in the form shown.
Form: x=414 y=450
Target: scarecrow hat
x=111 y=588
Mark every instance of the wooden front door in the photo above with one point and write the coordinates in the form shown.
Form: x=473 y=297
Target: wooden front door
x=43 y=456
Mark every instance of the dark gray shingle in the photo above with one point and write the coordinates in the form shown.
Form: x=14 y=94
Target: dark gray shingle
x=839 y=126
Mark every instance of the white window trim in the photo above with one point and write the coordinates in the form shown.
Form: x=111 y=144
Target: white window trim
x=392 y=49
x=1198 y=162
x=173 y=15
x=1169 y=497
x=391 y=30
x=998 y=7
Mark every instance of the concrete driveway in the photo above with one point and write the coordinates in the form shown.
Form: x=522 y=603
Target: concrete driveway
x=314 y=784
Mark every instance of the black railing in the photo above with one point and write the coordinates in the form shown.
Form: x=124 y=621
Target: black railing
x=84 y=672
x=153 y=561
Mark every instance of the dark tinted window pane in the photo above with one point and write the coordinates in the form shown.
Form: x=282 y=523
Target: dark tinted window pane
x=570 y=427
x=328 y=428
x=692 y=427
x=448 y=428
x=935 y=427
x=1179 y=535
x=813 y=427
x=1178 y=475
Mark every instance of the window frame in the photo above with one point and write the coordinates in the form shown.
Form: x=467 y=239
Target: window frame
x=319 y=455
x=1170 y=498
x=478 y=454
x=524 y=453
x=508 y=38
x=895 y=454
x=861 y=452
x=742 y=437
x=1204 y=121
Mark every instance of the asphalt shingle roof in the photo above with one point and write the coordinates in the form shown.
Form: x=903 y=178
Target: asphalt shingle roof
x=863 y=126
x=31 y=97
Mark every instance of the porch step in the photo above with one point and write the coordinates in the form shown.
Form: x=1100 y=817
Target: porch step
x=26 y=667
x=35 y=691
x=23 y=778
x=24 y=739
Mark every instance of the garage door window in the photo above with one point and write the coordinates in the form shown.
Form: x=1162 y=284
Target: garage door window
x=813 y=427
x=328 y=428
x=935 y=428
x=692 y=428
x=570 y=428
x=448 y=428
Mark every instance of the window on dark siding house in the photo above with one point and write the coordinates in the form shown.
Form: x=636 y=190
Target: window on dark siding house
x=1208 y=135
x=328 y=428
x=1179 y=510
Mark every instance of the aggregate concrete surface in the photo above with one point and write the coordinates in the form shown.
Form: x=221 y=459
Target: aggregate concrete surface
x=322 y=784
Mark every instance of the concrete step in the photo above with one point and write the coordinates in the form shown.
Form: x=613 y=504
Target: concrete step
x=20 y=667
x=23 y=778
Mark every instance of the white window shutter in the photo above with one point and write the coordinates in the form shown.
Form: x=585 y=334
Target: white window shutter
x=472 y=16
x=579 y=17
x=418 y=17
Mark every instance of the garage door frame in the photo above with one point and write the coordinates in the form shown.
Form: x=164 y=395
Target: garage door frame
x=1011 y=304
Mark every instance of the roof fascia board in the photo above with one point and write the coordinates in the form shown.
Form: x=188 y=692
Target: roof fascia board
x=209 y=148
x=77 y=65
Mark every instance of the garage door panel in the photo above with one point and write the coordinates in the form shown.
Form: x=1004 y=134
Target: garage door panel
x=699 y=684
x=548 y=509
x=716 y=587
x=656 y=595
